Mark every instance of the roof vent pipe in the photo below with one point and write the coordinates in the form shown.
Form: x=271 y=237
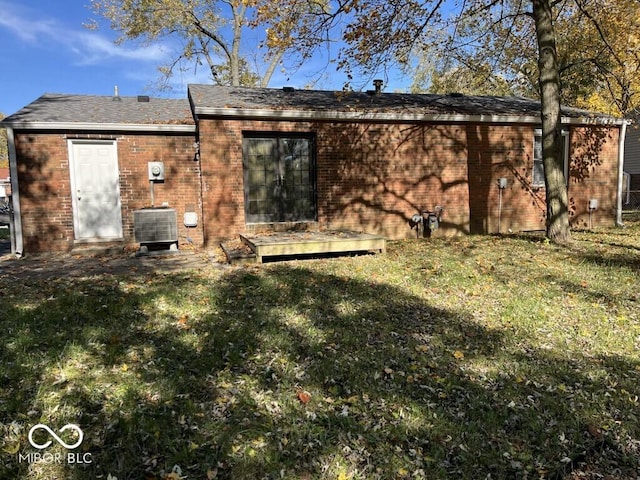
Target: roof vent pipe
x=378 y=84
x=116 y=94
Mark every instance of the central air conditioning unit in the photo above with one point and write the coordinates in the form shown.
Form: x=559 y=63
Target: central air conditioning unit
x=155 y=225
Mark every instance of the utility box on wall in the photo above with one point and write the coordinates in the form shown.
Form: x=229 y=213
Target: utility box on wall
x=156 y=171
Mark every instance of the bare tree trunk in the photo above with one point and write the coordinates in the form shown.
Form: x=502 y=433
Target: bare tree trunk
x=238 y=9
x=558 y=229
x=275 y=60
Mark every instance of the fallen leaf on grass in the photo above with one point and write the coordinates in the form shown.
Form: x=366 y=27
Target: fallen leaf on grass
x=176 y=474
x=303 y=396
x=182 y=322
x=595 y=432
x=458 y=354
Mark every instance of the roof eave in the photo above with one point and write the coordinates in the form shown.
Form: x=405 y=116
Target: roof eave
x=335 y=115
x=87 y=126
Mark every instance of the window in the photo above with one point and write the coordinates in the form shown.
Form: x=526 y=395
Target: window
x=279 y=178
x=538 y=167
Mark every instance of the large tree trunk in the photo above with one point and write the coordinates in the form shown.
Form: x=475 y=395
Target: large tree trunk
x=238 y=10
x=558 y=229
x=273 y=63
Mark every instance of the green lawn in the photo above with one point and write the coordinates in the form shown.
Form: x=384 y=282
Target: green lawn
x=477 y=357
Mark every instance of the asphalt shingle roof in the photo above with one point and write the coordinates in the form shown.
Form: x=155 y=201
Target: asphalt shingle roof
x=105 y=110
x=61 y=108
x=216 y=97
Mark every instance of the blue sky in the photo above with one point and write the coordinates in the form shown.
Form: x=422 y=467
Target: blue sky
x=46 y=49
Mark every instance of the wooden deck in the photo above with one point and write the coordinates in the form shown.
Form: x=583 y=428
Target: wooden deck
x=288 y=244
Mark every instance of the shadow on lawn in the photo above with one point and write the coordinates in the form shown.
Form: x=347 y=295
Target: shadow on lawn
x=397 y=387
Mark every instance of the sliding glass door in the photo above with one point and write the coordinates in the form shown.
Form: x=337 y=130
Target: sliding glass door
x=279 y=178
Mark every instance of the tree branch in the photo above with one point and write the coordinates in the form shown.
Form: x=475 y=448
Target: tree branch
x=598 y=28
x=208 y=33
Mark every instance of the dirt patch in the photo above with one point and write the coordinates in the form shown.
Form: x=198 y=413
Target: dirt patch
x=78 y=266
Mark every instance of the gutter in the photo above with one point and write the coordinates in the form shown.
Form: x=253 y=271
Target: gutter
x=338 y=115
x=113 y=127
x=17 y=243
x=621 y=139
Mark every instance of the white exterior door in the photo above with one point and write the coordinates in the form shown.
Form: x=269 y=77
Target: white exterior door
x=95 y=188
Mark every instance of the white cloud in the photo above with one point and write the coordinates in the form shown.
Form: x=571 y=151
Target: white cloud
x=15 y=19
x=92 y=48
x=88 y=47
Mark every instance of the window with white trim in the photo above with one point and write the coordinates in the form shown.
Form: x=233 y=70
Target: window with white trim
x=538 y=167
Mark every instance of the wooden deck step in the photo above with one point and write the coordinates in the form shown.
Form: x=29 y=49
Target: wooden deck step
x=285 y=244
x=238 y=253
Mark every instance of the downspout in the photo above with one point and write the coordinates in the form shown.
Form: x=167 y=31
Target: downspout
x=621 y=139
x=17 y=244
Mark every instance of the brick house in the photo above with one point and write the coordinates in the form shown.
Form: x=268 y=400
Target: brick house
x=80 y=163
x=245 y=160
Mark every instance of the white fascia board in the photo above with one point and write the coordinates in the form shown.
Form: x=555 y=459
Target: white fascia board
x=266 y=114
x=595 y=120
x=120 y=127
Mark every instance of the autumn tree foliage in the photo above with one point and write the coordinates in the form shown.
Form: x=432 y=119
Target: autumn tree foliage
x=582 y=51
x=214 y=33
x=603 y=55
x=598 y=50
x=196 y=25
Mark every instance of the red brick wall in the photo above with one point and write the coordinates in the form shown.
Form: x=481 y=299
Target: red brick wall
x=45 y=194
x=593 y=174
x=373 y=177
